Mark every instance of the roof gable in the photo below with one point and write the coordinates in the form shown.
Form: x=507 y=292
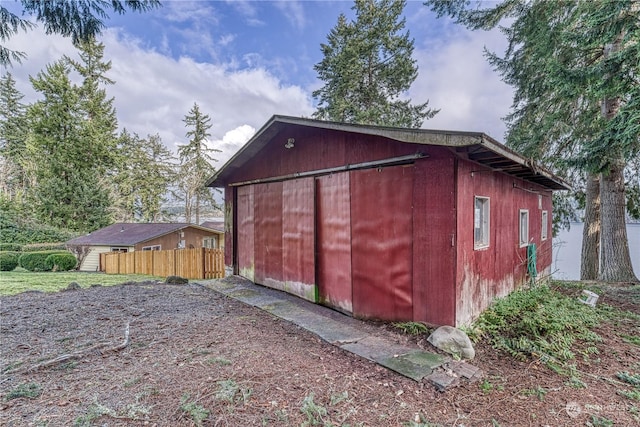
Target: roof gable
x=130 y=234
x=475 y=146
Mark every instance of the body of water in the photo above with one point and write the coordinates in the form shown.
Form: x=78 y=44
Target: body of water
x=568 y=244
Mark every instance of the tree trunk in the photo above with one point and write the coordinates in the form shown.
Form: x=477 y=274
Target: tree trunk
x=590 y=259
x=197 y=207
x=616 y=259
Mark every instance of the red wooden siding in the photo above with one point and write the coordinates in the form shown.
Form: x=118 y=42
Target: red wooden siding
x=318 y=150
x=230 y=214
x=381 y=236
x=495 y=271
x=298 y=237
x=246 y=246
x=334 y=241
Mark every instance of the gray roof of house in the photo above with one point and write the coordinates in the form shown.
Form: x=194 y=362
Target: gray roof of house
x=216 y=225
x=130 y=234
x=475 y=146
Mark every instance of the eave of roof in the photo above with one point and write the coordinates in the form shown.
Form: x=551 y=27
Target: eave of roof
x=479 y=147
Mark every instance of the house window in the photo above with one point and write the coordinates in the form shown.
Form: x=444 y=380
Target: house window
x=524 y=227
x=117 y=249
x=481 y=222
x=210 y=242
x=151 y=248
x=545 y=225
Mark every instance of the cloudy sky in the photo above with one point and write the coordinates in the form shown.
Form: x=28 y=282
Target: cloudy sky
x=244 y=61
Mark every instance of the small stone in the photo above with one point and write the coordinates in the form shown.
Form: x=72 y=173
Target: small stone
x=73 y=286
x=176 y=280
x=442 y=381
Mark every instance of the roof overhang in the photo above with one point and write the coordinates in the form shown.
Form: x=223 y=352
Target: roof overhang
x=475 y=146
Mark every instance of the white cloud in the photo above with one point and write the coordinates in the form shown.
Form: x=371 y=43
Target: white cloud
x=197 y=12
x=248 y=11
x=294 y=12
x=230 y=143
x=154 y=92
x=456 y=78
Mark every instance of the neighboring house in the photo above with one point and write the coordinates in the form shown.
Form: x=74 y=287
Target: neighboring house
x=386 y=223
x=217 y=241
x=127 y=237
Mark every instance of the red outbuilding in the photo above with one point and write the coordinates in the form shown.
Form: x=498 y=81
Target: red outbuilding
x=386 y=223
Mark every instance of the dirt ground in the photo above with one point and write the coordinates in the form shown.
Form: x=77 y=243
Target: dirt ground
x=194 y=357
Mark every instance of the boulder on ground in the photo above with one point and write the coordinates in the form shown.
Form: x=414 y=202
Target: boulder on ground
x=453 y=341
x=176 y=280
x=73 y=286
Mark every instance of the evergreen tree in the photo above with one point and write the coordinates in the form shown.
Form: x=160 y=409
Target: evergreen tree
x=13 y=131
x=99 y=115
x=71 y=144
x=574 y=66
x=196 y=164
x=367 y=69
x=145 y=170
x=79 y=19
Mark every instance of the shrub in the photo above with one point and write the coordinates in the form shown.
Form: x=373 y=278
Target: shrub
x=61 y=262
x=13 y=247
x=8 y=260
x=36 y=261
x=39 y=247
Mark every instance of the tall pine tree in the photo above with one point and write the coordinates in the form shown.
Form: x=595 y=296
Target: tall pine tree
x=574 y=66
x=196 y=164
x=71 y=143
x=368 y=68
x=13 y=132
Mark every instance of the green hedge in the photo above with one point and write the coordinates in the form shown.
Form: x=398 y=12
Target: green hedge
x=39 y=247
x=11 y=247
x=36 y=261
x=8 y=260
x=61 y=262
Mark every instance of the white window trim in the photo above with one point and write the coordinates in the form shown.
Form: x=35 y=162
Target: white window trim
x=152 y=248
x=121 y=249
x=544 y=234
x=482 y=245
x=523 y=242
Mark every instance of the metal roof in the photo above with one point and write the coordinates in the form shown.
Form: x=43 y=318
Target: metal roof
x=475 y=146
x=130 y=234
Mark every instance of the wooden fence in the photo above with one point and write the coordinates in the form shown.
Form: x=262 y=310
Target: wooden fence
x=198 y=263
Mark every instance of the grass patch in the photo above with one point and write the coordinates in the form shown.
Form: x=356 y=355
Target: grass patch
x=412 y=328
x=635 y=340
x=633 y=380
x=220 y=361
x=315 y=413
x=196 y=412
x=28 y=390
x=541 y=323
x=20 y=280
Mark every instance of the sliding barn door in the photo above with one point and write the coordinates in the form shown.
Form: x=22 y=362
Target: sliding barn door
x=382 y=242
x=333 y=234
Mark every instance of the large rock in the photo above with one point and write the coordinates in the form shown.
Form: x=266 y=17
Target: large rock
x=176 y=280
x=453 y=341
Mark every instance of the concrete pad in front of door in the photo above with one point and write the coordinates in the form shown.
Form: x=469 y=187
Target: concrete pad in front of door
x=336 y=328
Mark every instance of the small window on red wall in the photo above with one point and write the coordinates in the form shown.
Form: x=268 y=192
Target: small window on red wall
x=481 y=222
x=545 y=225
x=524 y=227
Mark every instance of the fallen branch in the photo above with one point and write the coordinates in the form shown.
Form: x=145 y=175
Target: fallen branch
x=77 y=354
